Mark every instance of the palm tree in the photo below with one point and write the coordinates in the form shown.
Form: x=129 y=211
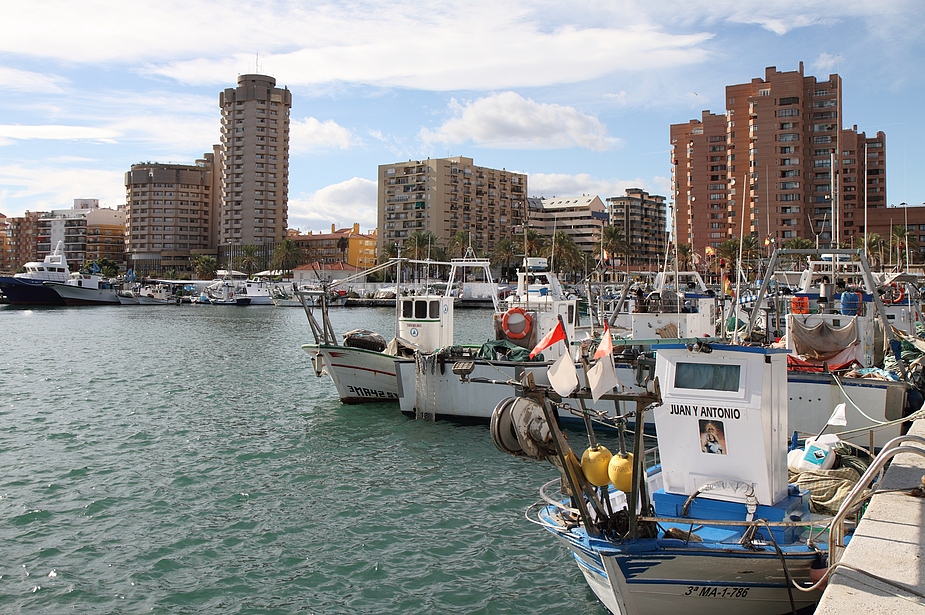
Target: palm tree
x=563 y=253
x=205 y=266
x=685 y=256
x=457 y=245
x=248 y=258
x=799 y=243
x=614 y=241
x=505 y=251
x=420 y=245
x=534 y=242
x=287 y=255
x=874 y=248
x=751 y=253
x=343 y=243
x=903 y=242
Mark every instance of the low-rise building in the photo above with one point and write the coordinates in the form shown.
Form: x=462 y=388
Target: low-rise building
x=347 y=245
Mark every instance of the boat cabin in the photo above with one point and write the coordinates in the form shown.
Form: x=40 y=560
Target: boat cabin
x=722 y=427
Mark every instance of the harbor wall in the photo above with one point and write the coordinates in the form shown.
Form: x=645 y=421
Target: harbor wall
x=884 y=571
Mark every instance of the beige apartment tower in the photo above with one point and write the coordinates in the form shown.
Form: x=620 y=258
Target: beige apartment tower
x=170 y=214
x=447 y=195
x=778 y=164
x=255 y=162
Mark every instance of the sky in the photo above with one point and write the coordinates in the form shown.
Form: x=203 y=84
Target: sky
x=577 y=95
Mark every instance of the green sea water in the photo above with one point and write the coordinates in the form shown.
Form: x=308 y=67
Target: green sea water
x=185 y=459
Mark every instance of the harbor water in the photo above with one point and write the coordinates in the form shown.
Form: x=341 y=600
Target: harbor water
x=185 y=459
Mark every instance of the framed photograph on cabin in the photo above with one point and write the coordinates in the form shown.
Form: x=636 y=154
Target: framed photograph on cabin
x=712 y=437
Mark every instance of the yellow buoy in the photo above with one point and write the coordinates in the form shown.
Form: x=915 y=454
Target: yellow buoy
x=620 y=472
x=594 y=462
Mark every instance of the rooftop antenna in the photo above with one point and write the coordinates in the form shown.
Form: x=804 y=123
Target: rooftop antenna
x=257 y=63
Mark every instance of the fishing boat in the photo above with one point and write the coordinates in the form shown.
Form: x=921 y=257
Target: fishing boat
x=537 y=306
x=157 y=294
x=844 y=330
x=225 y=292
x=363 y=366
x=676 y=304
x=85 y=289
x=28 y=288
x=705 y=521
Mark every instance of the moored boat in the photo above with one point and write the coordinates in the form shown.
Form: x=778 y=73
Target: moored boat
x=28 y=288
x=704 y=522
x=85 y=289
x=363 y=368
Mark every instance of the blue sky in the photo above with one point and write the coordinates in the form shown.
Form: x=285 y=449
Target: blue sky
x=578 y=95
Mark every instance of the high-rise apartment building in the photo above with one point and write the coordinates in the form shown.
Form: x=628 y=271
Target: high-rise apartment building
x=171 y=214
x=446 y=195
x=579 y=217
x=777 y=165
x=255 y=162
x=87 y=232
x=21 y=245
x=642 y=218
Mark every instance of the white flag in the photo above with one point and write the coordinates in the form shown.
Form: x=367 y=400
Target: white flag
x=602 y=378
x=838 y=416
x=562 y=375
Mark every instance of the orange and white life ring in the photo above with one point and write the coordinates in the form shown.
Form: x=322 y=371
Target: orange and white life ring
x=525 y=318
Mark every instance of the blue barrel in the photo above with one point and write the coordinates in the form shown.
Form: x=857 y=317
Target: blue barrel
x=850 y=303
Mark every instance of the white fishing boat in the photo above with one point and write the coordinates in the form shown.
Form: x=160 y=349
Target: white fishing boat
x=157 y=294
x=85 y=289
x=27 y=288
x=704 y=523
x=844 y=345
x=363 y=367
x=677 y=305
x=259 y=291
x=225 y=292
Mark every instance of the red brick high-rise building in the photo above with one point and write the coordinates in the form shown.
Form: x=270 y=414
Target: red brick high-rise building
x=770 y=158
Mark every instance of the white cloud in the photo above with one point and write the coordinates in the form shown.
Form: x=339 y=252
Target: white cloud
x=341 y=204
x=550 y=185
x=827 y=62
x=312 y=135
x=781 y=16
x=36 y=188
x=508 y=120
x=31 y=82
x=58 y=132
x=520 y=43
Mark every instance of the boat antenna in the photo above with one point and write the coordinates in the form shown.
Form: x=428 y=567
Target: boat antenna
x=739 y=271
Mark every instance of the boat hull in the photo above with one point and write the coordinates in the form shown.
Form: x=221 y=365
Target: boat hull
x=76 y=295
x=433 y=389
x=22 y=292
x=813 y=397
x=673 y=580
x=359 y=375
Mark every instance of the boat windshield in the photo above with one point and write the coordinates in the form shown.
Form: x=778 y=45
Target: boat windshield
x=707 y=376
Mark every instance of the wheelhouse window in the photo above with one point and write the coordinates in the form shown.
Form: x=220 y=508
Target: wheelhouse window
x=707 y=376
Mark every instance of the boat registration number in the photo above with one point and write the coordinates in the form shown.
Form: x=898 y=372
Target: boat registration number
x=713 y=591
x=364 y=392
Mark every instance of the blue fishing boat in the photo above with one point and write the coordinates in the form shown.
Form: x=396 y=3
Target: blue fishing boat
x=28 y=287
x=705 y=521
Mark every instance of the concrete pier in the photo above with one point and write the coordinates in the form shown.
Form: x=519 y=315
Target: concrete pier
x=885 y=555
